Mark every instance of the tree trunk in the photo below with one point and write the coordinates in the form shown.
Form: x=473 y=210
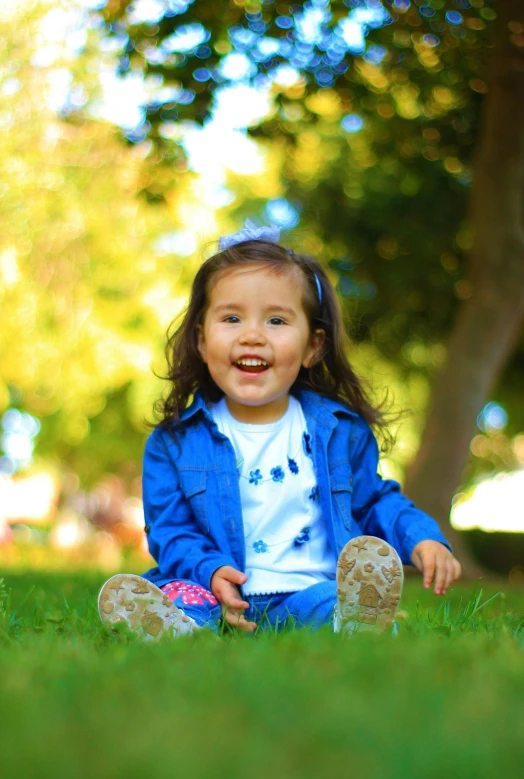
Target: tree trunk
x=490 y=321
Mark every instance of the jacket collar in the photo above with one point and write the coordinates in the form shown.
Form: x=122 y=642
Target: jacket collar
x=197 y=405
x=323 y=410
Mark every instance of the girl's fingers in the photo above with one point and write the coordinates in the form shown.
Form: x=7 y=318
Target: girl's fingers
x=453 y=571
x=233 y=608
x=437 y=565
x=440 y=577
x=245 y=626
x=235 y=611
x=232 y=575
x=236 y=603
x=450 y=571
x=228 y=596
x=229 y=602
x=429 y=572
x=450 y=576
x=238 y=620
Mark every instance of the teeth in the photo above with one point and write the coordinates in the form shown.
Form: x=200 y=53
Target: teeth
x=252 y=362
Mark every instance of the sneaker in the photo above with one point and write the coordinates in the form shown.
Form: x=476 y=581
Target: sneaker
x=143 y=606
x=369 y=585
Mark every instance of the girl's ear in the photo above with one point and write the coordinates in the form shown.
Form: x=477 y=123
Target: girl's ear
x=314 y=352
x=201 y=343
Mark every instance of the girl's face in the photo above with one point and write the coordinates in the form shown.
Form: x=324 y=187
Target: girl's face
x=255 y=338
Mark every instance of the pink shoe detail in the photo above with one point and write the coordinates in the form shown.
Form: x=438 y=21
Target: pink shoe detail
x=191 y=594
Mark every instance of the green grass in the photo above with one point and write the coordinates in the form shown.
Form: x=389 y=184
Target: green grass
x=443 y=698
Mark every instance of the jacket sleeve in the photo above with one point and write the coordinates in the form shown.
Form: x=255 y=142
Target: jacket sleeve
x=379 y=507
x=175 y=541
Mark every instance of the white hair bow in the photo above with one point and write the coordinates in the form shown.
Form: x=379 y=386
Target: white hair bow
x=250 y=232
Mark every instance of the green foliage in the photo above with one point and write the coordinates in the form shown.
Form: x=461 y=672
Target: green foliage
x=84 y=297
x=3 y=604
x=387 y=204
x=443 y=696
x=271 y=35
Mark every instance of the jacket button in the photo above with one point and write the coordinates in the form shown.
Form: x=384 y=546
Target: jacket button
x=147 y=529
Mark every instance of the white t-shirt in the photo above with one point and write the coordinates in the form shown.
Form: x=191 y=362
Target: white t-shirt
x=287 y=546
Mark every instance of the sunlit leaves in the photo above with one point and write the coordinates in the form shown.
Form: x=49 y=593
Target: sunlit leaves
x=84 y=296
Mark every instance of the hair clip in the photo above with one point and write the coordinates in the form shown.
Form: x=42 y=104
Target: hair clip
x=319 y=288
x=250 y=232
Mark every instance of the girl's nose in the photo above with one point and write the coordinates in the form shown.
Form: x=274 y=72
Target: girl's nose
x=252 y=334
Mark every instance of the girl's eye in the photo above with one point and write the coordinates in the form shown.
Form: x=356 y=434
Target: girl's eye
x=276 y=320
x=229 y=318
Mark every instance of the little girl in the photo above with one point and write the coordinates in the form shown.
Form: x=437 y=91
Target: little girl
x=261 y=495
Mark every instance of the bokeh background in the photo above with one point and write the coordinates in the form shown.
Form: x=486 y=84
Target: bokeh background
x=385 y=138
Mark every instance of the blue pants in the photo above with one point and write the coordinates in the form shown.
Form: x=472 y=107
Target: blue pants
x=312 y=607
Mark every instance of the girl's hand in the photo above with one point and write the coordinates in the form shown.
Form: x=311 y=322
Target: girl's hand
x=435 y=562
x=224 y=587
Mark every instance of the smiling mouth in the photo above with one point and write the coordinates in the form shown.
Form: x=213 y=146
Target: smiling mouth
x=252 y=366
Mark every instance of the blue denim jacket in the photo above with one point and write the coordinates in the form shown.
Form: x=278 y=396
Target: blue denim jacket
x=192 y=503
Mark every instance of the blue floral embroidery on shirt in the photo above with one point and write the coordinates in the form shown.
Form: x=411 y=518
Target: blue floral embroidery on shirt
x=293 y=467
x=260 y=547
x=306 y=440
x=256 y=476
x=313 y=495
x=303 y=537
x=277 y=473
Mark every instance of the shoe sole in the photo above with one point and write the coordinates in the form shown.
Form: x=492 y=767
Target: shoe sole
x=369 y=585
x=145 y=609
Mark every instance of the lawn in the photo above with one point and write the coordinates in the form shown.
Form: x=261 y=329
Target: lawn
x=442 y=698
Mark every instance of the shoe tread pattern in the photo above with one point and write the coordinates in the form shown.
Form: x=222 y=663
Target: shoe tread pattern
x=369 y=584
x=143 y=606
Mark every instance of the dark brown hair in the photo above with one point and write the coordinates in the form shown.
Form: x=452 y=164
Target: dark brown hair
x=332 y=376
